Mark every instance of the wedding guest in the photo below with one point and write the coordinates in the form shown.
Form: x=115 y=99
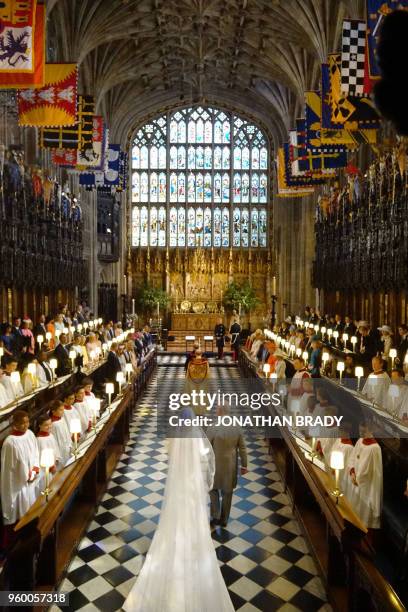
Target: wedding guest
x=315 y=362
x=256 y=343
x=44 y=372
x=402 y=348
x=386 y=340
x=8 y=340
x=349 y=327
x=28 y=337
x=61 y=353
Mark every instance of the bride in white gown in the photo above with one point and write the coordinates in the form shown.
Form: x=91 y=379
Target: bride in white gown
x=181 y=571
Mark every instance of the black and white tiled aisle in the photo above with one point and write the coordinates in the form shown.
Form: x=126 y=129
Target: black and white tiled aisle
x=263 y=558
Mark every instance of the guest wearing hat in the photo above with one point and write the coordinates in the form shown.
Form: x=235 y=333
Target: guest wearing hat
x=386 y=339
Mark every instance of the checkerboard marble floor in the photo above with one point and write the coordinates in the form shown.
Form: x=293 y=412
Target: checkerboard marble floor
x=263 y=557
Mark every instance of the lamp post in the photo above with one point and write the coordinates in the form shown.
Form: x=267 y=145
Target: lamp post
x=75 y=429
x=47 y=460
x=109 y=389
x=72 y=355
x=120 y=378
x=53 y=366
x=129 y=370
x=337 y=464
x=359 y=372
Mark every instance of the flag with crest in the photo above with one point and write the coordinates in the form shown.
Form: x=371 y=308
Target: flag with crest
x=317 y=135
x=22 y=44
x=78 y=136
x=353 y=57
x=93 y=156
x=53 y=105
x=352 y=112
x=319 y=162
x=283 y=189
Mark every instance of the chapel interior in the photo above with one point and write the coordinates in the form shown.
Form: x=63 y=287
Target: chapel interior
x=203 y=196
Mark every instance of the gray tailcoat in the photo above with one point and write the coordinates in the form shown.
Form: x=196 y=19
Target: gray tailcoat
x=227 y=442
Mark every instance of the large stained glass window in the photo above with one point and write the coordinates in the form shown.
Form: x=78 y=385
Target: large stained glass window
x=200 y=179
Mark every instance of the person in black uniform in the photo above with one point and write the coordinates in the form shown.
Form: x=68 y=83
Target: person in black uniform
x=219 y=333
x=235 y=332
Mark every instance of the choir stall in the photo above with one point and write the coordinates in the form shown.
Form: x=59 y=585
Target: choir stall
x=356 y=575
x=48 y=535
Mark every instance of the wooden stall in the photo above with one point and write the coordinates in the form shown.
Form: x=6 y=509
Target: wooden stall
x=337 y=538
x=47 y=536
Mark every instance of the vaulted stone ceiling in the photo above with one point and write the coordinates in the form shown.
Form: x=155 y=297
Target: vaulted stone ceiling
x=140 y=57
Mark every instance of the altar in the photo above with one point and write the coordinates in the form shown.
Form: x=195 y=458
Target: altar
x=192 y=321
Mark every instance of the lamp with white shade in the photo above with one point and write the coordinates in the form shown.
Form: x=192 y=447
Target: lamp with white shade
x=337 y=464
x=109 y=389
x=393 y=355
x=40 y=340
x=75 y=430
x=394 y=393
x=335 y=336
x=345 y=338
x=274 y=379
x=266 y=369
x=340 y=368
x=47 y=460
x=120 y=379
x=72 y=355
x=359 y=372
x=353 y=341
x=129 y=370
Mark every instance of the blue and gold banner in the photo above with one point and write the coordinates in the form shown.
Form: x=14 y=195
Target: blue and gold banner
x=352 y=112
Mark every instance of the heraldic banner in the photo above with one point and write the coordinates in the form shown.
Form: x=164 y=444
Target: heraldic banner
x=53 y=105
x=22 y=44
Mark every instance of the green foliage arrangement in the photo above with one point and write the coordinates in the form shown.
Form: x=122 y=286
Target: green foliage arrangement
x=241 y=294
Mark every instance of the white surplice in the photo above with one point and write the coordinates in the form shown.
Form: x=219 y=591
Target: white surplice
x=19 y=457
x=181 y=571
x=366 y=496
x=376 y=388
x=61 y=433
x=13 y=390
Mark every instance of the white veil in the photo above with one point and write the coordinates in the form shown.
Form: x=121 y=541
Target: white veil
x=181 y=571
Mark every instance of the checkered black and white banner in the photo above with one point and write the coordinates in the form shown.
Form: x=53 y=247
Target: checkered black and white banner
x=352 y=57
